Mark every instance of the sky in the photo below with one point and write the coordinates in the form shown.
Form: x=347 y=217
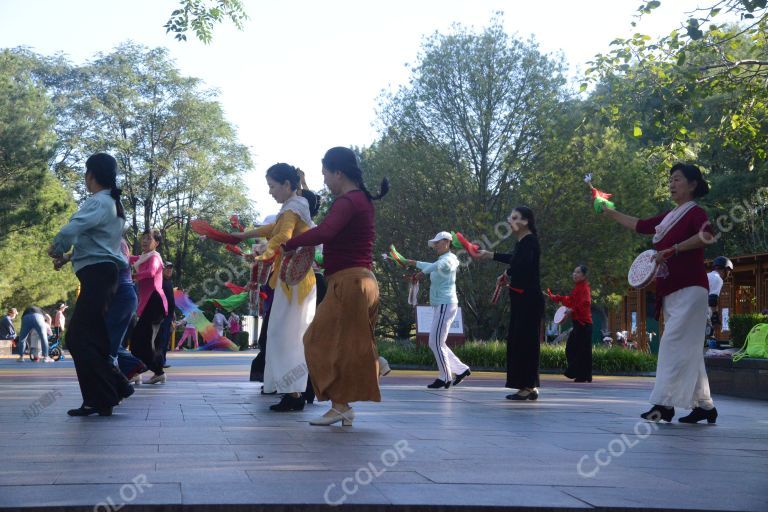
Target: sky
x=307 y=75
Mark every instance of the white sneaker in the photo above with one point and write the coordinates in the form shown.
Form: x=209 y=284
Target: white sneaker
x=156 y=379
x=384 y=368
x=47 y=360
x=20 y=359
x=136 y=379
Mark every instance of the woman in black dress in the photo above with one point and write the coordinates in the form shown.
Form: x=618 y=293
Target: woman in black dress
x=526 y=305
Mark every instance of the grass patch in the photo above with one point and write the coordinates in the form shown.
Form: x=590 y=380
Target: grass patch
x=493 y=355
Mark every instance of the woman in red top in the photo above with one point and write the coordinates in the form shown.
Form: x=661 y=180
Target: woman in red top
x=339 y=344
x=578 y=348
x=680 y=236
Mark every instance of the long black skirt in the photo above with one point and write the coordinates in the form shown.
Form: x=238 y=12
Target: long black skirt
x=578 y=352
x=523 y=342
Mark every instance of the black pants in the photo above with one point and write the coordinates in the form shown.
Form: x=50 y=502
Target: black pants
x=257 y=366
x=143 y=346
x=578 y=352
x=523 y=347
x=101 y=383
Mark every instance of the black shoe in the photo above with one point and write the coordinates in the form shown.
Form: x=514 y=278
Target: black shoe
x=87 y=411
x=289 y=403
x=461 y=377
x=127 y=392
x=272 y=393
x=166 y=365
x=439 y=384
x=582 y=380
x=658 y=413
x=532 y=395
x=699 y=414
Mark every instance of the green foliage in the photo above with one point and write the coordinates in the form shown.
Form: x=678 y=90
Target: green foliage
x=200 y=16
x=33 y=204
x=492 y=355
x=741 y=324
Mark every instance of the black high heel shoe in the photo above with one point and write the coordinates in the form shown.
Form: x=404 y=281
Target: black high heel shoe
x=439 y=384
x=289 y=403
x=532 y=395
x=87 y=411
x=658 y=413
x=699 y=414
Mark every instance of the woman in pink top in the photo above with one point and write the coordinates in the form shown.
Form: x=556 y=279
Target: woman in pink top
x=680 y=236
x=153 y=306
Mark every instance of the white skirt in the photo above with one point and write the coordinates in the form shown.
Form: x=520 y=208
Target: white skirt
x=285 y=369
x=681 y=378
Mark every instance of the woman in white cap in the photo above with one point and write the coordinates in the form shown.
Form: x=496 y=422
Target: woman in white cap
x=445 y=305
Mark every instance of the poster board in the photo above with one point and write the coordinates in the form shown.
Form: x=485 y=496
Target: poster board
x=424 y=324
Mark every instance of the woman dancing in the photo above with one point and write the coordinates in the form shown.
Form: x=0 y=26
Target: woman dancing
x=339 y=344
x=679 y=236
x=578 y=348
x=526 y=305
x=293 y=307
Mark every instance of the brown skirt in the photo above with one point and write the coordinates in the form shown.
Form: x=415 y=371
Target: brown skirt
x=339 y=344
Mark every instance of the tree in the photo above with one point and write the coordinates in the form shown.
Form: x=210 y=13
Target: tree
x=479 y=97
x=178 y=157
x=200 y=16
x=32 y=203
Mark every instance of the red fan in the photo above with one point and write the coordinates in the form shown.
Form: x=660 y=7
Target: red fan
x=235 y=289
x=469 y=246
x=296 y=265
x=201 y=227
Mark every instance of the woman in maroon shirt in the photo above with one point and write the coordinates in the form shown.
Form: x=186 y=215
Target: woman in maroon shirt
x=578 y=348
x=339 y=344
x=680 y=236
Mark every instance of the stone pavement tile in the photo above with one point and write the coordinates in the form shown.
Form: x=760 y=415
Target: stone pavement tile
x=717 y=481
x=287 y=492
x=554 y=473
x=692 y=461
x=477 y=495
x=119 y=475
x=88 y=495
x=325 y=477
x=27 y=477
x=692 y=498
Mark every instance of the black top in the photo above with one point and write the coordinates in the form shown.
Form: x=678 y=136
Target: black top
x=7 y=332
x=168 y=291
x=33 y=309
x=523 y=270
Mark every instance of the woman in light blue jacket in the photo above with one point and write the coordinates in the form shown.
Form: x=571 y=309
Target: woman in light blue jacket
x=445 y=305
x=95 y=231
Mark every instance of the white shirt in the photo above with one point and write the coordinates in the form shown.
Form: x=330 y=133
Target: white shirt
x=715 y=282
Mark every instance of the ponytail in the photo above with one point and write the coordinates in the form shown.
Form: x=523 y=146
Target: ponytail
x=383 y=189
x=115 y=194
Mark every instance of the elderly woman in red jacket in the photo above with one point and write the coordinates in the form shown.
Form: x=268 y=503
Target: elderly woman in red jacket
x=578 y=348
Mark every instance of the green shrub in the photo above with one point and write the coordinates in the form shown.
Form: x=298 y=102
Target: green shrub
x=741 y=324
x=493 y=355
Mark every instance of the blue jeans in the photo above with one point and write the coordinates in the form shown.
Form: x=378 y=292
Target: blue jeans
x=118 y=319
x=33 y=322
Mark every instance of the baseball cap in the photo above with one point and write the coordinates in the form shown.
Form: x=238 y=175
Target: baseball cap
x=443 y=235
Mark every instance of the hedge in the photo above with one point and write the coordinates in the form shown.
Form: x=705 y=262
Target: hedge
x=492 y=355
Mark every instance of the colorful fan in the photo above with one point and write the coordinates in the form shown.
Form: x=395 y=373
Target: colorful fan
x=460 y=242
x=193 y=315
x=600 y=198
x=397 y=257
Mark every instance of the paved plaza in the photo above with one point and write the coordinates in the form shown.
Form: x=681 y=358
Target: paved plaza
x=207 y=438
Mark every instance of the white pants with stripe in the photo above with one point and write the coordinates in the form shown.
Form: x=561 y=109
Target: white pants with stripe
x=447 y=362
